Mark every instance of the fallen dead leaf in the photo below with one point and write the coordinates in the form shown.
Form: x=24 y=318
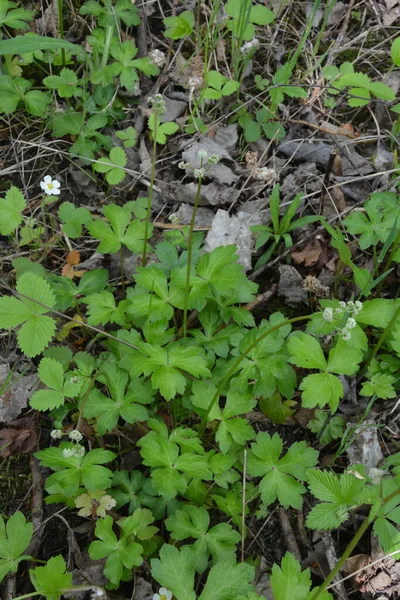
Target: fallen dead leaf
x=16 y=393
x=20 y=437
x=309 y=255
x=73 y=259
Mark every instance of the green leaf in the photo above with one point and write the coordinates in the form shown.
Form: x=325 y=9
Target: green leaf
x=162 y=129
x=15 y=18
x=280 y=475
x=121 y=231
x=226 y=580
x=15 y=537
x=320 y=389
x=37 y=329
x=179 y=27
x=11 y=208
x=382 y=91
x=51 y=579
x=102 y=309
x=23 y=44
x=127 y=136
x=73 y=218
x=288 y=581
x=306 y=352
x=261 y=15
x=339 y=493
x=66 y=83
x=51 y=374
x=25 y=265
x=175 y=570
x=395 y=51
x=113 y=166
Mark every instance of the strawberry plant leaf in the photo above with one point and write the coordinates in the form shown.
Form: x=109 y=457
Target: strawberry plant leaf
x=36 y=329
x=113 y=166
x=51 y=374
x=288 y=581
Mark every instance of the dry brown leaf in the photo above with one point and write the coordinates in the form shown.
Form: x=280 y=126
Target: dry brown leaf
x=73 y=258
x=309 y=255
x=333 y=203
x=20 y=437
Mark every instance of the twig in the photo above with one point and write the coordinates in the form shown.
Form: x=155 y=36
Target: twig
x=331 y=557
x=288 y=533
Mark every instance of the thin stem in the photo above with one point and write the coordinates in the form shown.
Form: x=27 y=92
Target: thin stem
x=237 y=362
x=189 y=261
x=122 y=270
x=353 y=543
x=61 y=28
x=28 y=595
x=389 y=261
x=150 y=196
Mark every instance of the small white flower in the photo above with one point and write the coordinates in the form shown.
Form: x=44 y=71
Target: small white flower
x=163 y=594
x=68 y=453
x=50 y=186
x=98 y=592
x=350 y=324
x=346 y=335
x=75 y=435
x=183 y=165
x=157 y=58
x=56 y=434
x=199 y=173
x=249 y=46
x=357 y=307
x=342 y=306
x=79 y=451
x=73 y=380
x=213 y=159
x=328 y=315
x=202 y=154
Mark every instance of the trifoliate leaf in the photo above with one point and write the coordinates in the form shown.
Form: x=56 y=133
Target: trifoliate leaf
x=179 y=27
x=11 y=208
x=73 y=218
x=102 y=309
x=339 y=493
x=52 y=375
x=66 y=83
x=37 y=328
x=15 y=537
x=113 y=166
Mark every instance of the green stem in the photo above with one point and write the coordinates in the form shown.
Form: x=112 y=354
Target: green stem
x=237 y=362
x=61 y=28
x=353 y=543
x=189 y=260
x=150 y=196
x=389 y=261
x=107 y=46
x=122 y=270
x=28 y=595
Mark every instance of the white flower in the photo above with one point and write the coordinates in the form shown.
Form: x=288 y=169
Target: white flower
x=163 y=594
x=199 y=173
x=357 y=307
x=350 y=324
x=248 y=46
x=346 y=335
x=183 y=165
x=56 y=434
x=79 y=451
x=75 y=435
x=68 y=453
x=328 y=315
x=50 y=186
x=213 y=159
x=342 y=306
x=157 y=58
x=202 y=154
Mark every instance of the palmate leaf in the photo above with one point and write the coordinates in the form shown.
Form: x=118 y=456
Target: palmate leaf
x=11 y=208
x=288 y=581
x=121 y=231
x=37 y=328
x=175 y=571
x=15 y=537
x=51 y=579
x=281 y=476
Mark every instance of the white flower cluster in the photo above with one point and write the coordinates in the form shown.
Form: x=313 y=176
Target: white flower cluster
x=205 y=161
x=249 y=46
x=157 y=58
x=56 y=434
x=352 y=308
x=157 y=104
x=77 y=450
x=75 y=435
